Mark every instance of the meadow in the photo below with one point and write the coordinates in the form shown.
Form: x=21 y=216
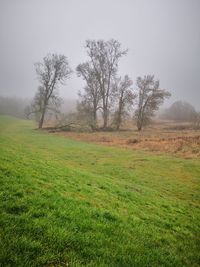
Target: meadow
x=176 y=138
x=65 y=202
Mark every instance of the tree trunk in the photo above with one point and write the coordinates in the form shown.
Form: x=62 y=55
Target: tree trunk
x=139 y=126
x=118 y=121
x=41 y=120
x=105 y=119
x=119 y=115
x=94 y=120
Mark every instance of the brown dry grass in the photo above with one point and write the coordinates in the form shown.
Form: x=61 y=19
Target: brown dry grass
x=161 y=137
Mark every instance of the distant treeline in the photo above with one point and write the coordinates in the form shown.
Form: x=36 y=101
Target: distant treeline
x=180 y=111
x=15 y=106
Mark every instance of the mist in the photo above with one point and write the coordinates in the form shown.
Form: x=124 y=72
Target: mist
x=163 y=39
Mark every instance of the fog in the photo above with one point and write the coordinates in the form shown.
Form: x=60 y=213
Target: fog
x=163 y=38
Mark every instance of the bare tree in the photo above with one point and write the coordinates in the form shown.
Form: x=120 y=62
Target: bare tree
x=85 y=114
x=51 y=73
x=36 y=106
x=104 y=58
x=90 y=98
x=124 y=95
x=150 y=97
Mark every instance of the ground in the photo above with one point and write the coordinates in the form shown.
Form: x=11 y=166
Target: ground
x=70 y=203
x=173 y=138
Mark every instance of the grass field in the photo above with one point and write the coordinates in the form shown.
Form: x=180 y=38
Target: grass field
x=70 y=203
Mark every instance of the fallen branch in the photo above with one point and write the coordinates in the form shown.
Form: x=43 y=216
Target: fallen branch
x=64 y=127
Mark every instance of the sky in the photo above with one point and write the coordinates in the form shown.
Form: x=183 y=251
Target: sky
x=162 y=36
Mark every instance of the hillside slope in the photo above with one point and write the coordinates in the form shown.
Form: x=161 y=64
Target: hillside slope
x=69 y=203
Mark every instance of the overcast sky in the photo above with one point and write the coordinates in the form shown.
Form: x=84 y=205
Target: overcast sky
x=163 y=38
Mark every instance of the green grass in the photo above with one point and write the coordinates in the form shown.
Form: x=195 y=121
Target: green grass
x=69 y=203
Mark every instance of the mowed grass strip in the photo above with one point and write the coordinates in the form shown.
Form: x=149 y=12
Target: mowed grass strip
x=69 y=203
